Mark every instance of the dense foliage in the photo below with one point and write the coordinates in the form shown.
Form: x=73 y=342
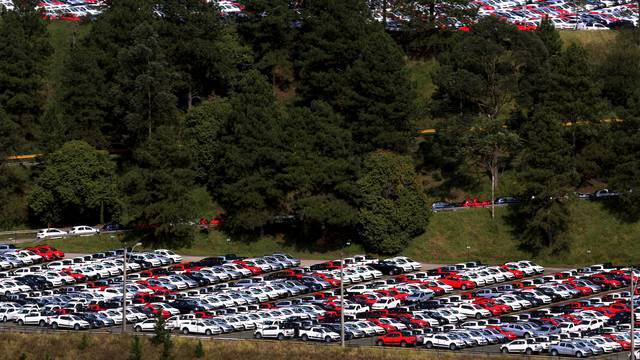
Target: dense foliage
x=301 y=121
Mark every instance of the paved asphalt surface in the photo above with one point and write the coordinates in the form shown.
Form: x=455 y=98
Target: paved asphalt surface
x=247 y=335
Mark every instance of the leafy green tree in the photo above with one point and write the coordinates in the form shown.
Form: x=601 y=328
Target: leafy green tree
x=620 y=71
x=161 y=334
x=483 y=71
x=159 y=189
x=78 y=182
x=393 y=207
x=24 y=51
x=545 y=172
x=347 y=60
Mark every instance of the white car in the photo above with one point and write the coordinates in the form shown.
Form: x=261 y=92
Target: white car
x=175 y=258
x=319 y=333
x=355 y=309
x=442 y=340
x=147 y=325
x=473 y=311
x=200 y=327
x=385 y=303
x=274 y=331
x=527 y=346
x=83 y=230
x=51 y=234
x=69 y=322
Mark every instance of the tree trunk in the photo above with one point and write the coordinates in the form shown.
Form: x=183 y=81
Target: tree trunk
x=101 y=212
x=494 y=175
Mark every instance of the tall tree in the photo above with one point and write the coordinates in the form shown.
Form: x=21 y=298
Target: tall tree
x=203 y=49
x=24 y=51
x=545 y=172
x=269 y=28
x=489 y=144
x=77 y=183
x=159 y=189
x=247 y=157
x=394 y=207
x=145 y=84
x=550 y=36
x=347 y=60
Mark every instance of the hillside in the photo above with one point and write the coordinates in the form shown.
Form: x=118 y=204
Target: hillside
x=445 y=240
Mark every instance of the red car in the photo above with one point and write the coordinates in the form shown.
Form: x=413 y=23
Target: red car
x=468 y=202
x=459 y=282
x=76 y=276
x=155 y=309
x=254 y=269
x=47 y=252
x=328 y=278
x=387 y=327
x=517 y=273
x=401 y=338
x=508 y=334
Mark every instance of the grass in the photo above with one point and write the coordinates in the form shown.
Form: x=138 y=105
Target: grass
x=445 y=240
x=70 y=346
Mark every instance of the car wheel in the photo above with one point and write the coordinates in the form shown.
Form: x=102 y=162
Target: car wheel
x=207 y=332
x=42 y=323
x=76 y=327
x=379 y=343
x=305 y=337
x=4 y=319
x=478 y=316
x=54 y=325
x=463 y=287
x=504 y=350
x=137 y=329
x=429 y=345
x=579 y=354
x=527 y=335
x=20 y=322
x=554 y=352
x=327 y=339
x=529 y=351
x=453 y=347
x=258 y=335
x=185 y=331
x=392 y=272
x=403 y=344
x=280 y=336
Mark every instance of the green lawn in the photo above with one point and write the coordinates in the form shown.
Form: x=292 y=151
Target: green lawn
x=446 y=240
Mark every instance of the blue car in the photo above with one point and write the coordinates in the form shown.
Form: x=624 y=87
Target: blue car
x=506 y=200
x=440 y=205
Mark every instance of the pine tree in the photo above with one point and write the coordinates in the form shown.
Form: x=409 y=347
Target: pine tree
x=546 y=175
x=24 y=51
x=158 y=188
x=135 y=353
x=199 y=351
x=347 y=60
x=549 y=36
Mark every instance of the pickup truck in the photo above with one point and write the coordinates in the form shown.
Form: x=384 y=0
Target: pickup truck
x=318 y=333
x=200 y=327
x=176 y=321
x=273 y=331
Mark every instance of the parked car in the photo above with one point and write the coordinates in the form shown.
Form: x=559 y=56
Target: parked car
x=51 y=234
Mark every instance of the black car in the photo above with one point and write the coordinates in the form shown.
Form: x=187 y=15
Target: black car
x=35 y=282
x=94 y=320
x=186 y=306
x=211 y=261
x=112 y=227
x=621 y=317
x=387 y=268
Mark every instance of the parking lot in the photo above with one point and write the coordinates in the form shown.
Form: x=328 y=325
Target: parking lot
x=469 y=307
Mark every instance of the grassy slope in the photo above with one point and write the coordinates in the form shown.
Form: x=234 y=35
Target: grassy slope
x=446 y=239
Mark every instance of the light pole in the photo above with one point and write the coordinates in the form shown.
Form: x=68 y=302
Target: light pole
x=468 y=249
x=124 y=288
x=228 y=245
x=342 y=295
x=589 y=256
x=632 y=356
